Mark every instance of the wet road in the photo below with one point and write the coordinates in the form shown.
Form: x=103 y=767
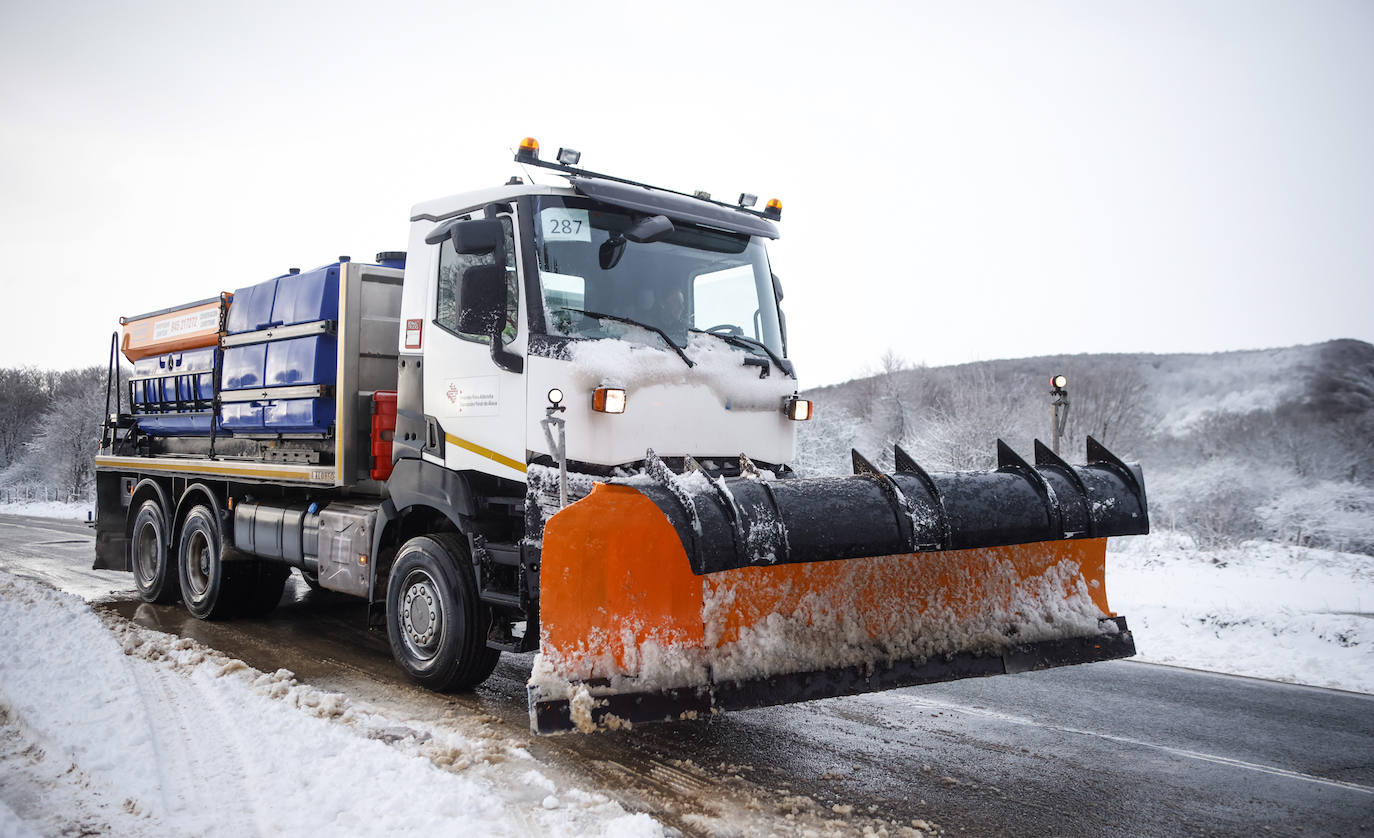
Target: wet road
x=1116 y=748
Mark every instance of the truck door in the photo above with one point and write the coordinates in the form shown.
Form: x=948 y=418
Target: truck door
x=480 y=406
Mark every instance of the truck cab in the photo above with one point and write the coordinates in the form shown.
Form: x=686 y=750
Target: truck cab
x=643 y=319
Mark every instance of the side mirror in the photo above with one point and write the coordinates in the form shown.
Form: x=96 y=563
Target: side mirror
x=483 y=236
x=652 y=229
x=482 y=297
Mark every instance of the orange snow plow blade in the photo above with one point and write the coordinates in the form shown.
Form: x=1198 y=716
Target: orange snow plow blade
x=635 y=630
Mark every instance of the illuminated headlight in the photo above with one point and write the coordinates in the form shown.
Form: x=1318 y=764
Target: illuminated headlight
x=608 y=400
x=798 y=410
x=1059 y=381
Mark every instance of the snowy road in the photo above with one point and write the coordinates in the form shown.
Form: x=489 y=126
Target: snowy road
x=1120 y=748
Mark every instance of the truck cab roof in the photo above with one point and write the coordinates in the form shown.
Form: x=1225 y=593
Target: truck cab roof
x=439 y=209
x=625 y=194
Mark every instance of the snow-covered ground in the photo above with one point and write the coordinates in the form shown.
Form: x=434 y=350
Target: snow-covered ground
x=1262 y=609
x=75 y=511
x=108 y=728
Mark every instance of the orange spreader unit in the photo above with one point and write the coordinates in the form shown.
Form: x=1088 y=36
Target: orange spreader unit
x=191 y=326
x=622 y=612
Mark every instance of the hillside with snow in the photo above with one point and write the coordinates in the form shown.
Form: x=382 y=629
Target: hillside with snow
x=1259 y=467
x=1275 y=444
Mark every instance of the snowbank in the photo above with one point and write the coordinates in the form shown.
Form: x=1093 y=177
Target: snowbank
x=76 y=510
x=179 y=740
x=1262 y=609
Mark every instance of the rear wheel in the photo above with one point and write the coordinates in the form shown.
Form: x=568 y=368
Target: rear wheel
x=435 y=622
x=208 y=587
x=150 y=556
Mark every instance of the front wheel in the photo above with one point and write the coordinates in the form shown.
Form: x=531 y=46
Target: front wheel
x=435 y=622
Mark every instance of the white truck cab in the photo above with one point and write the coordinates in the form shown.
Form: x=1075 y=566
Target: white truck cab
x=663 y=304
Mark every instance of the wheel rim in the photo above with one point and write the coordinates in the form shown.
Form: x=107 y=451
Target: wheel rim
x=146 y=547
x=422 y=615
x=198 y=563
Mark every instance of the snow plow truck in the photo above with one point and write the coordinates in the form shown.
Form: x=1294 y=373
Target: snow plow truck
x=564 y=420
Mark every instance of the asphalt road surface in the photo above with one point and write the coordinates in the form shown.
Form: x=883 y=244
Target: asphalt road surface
x=1119 y=748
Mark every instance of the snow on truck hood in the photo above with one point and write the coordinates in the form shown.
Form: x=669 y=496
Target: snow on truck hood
x=719 y=367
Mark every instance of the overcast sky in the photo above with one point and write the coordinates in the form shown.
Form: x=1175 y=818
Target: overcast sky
x=961 y=181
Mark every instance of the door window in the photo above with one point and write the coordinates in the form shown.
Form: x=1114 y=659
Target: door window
x=451 y=267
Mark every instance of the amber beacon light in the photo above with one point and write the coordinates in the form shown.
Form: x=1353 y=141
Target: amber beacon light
x=529 y=150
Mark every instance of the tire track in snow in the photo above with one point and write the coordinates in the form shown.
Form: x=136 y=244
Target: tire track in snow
x=199 y=768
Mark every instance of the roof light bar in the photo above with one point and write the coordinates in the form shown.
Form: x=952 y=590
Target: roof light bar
x=568 y=158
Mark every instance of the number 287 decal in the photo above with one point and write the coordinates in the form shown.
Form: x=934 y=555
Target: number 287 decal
x=564 y=224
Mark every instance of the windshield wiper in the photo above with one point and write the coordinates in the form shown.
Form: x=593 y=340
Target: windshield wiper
x=656 y=330
x=749 y=343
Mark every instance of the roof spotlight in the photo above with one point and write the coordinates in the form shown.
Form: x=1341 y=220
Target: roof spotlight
x=747 y=200
x=1059 y=382
x=569 y=157
x=555 y=396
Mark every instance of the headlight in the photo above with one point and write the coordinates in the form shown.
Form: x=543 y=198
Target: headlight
x=608 y=400
x=796 y=409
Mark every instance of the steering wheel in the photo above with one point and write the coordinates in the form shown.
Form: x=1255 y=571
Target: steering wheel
x=726 y=328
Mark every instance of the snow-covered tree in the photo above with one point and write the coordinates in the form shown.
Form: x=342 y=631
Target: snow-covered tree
x=23 y=398
x=61 y=454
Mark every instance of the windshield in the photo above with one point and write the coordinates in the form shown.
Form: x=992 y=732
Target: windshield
x=593 y=278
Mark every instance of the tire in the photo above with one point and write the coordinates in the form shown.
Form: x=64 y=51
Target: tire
x=209 y=588
x=263 y=587
x=150 y=556
x=434 y=620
